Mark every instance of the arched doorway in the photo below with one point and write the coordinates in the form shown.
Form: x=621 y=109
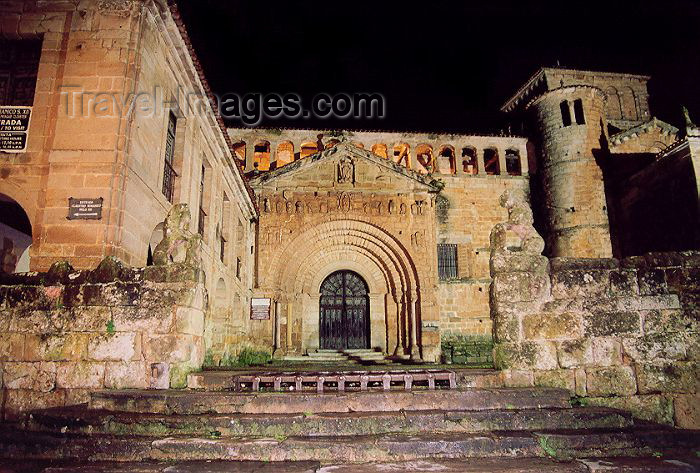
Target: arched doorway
x=15 y=236
x=344 y=312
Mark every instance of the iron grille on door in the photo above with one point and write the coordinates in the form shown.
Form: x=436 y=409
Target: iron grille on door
x=447 y=260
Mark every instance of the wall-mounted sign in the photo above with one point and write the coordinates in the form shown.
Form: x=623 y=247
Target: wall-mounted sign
x=14 y=125
x=260 y=309
x=85 y=209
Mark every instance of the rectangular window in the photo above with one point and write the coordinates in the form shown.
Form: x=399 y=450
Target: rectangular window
x=169 y=173
x=222 y=249
x=565 y=113
x=238 y=268
x=19 y=64
x=447 y=261
x=202 y=214
x=578 y=112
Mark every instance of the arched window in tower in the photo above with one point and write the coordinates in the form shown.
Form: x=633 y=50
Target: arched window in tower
x=513 y=166
x=446 y=163
x=469 y=165
x=629 y=104
x=380 y=150
x=262 y=156
x=565 y=113
x=613 y=107
x=578 y=112
x=491 y=163
x=424 y=156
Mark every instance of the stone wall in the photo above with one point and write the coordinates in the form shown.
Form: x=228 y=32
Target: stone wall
x=65 y=333
x=615 y=333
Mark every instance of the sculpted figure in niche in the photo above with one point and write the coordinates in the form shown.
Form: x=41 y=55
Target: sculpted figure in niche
x=178 y=245
x=346 y=169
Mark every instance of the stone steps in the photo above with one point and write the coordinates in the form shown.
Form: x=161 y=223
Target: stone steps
x=82 y=420
x=353 y=449
x=222 y=402
x=675 y=464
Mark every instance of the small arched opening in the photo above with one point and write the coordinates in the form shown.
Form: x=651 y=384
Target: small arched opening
x=261 y=156
x=491 y=163
x=446 y=160
x=220 y=294
x=308 y=148
x=513 y=165
x=380 y=150
x=402 y=154
x=469 y=164
x=15 y=236
x=424 y=156
x=285 y=154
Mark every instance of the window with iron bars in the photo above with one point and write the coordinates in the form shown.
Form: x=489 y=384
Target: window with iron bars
x=447 y=261
x=169 y=173
x=19 y=64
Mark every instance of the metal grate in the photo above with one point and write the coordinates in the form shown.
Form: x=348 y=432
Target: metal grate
x=447 y=260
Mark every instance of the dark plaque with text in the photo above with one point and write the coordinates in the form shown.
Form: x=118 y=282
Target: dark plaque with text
x=85 y=209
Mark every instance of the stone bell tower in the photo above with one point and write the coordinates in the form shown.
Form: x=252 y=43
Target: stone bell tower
x=570 y=121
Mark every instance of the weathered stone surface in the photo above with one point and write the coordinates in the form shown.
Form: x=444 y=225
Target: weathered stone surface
x=18 y=400
x=655 y=347
x=518 y=378
x=520 y=287
x=176 y=348
x=611 y=381
x=550 y=326
x=568 y=284
x=602 y=324
x=502 y=262
x=686 y=410
x=652 y=281
x=606 y=351
x=669 y=321
x=624 y=282
x=120 y=346
x=189 y=321
x=654 y=408
x=126 y=375
x=90 y=318
x=573 y=353
x=40 y=376
x=563 y=379
x=82 y=374
x=56 y=347
x=11 y=347
x=670 y=377
x=532 y=355
x=141 y=319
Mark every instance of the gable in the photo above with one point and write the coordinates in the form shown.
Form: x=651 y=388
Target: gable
x=345 y=167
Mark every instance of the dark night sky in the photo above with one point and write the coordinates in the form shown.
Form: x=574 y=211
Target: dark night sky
x=442 y=66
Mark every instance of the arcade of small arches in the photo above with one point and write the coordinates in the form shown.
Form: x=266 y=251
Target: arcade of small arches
x=422 y=157
x=295 y=275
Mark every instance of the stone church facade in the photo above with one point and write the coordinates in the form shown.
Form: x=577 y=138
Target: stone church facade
x=376 y=240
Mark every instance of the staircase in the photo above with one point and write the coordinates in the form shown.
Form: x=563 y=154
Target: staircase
x=350 y=356
x=505 y=428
